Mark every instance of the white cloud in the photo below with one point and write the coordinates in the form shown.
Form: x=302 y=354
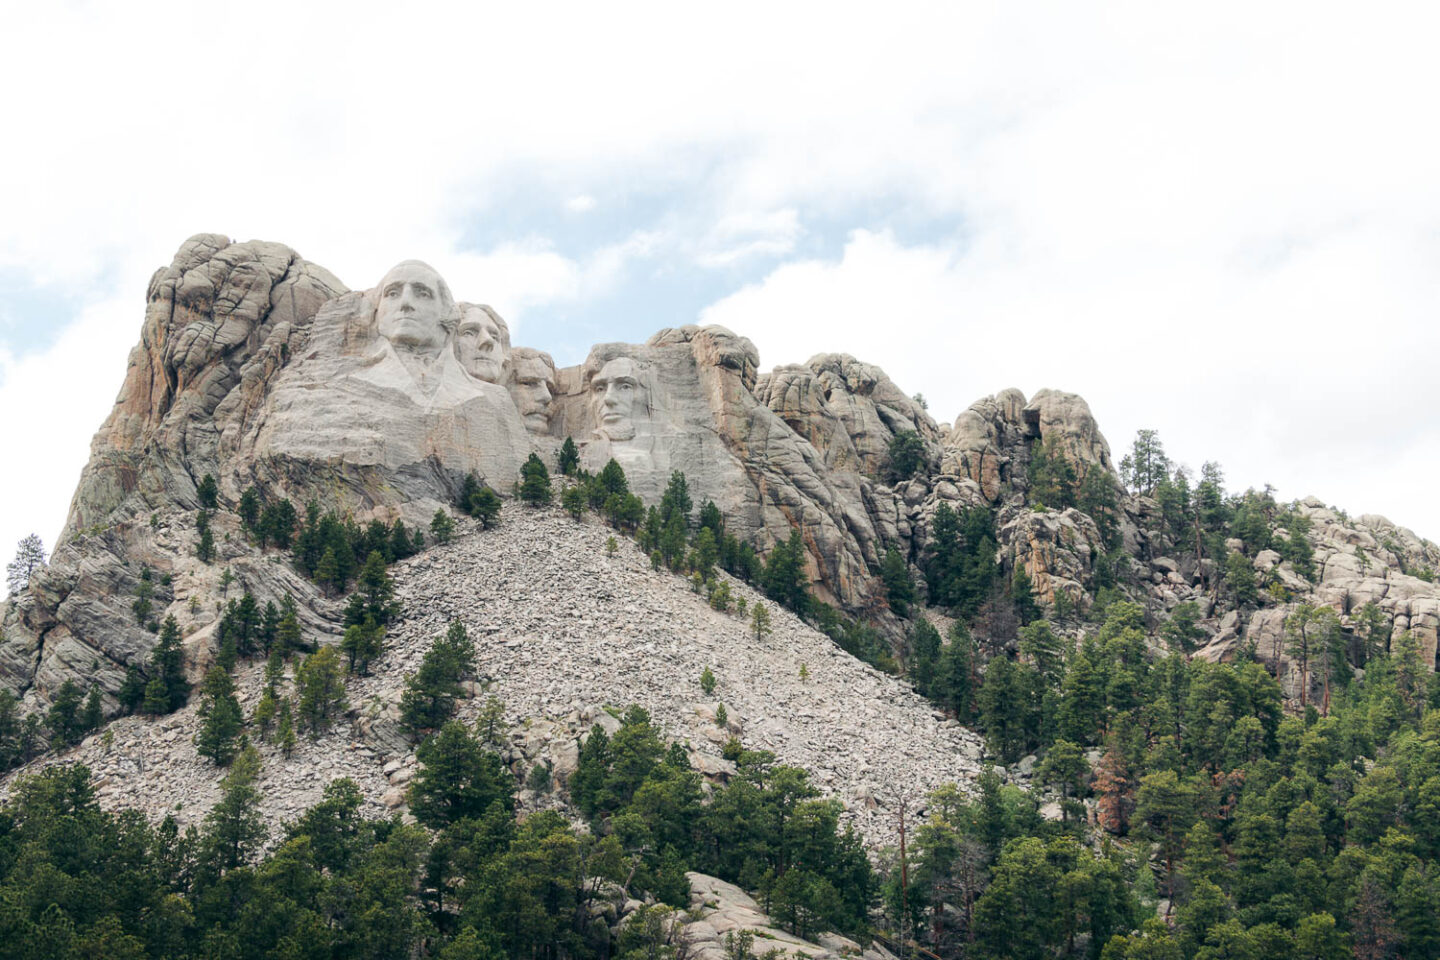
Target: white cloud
x=584 y=203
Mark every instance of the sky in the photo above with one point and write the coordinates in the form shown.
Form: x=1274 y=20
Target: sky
x=1220 y=222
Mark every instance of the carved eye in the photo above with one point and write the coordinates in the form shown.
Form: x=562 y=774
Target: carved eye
x=422 y=292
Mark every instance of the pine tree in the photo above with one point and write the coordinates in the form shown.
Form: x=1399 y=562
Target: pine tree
x=442 y=528
x=285 y=728
x=900 y=588
x=221 y=719
x=572 y=498
x=265 y=711
x=1022 y=594
x=905 y=456
x=249 y=508
x=785 y=577
x=132 y=690
x=378 y=590
x=760 y=621
x=167 y=667
x=205 y=549
x=64 y=716
x=430 y=693
x=327 y=571
x=234 y=830
x=320 y=687
x=707 y=681
x=485 y=507
x=157 y=698
x=288 y=637
x=362 y=643
x=568 y=460
x=535 y=482
x=29 y=556
x=1146 y=465
x=92 y=717
x=208 y=493
x=458 y=779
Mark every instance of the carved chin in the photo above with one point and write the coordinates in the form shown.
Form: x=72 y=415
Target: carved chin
x=537 y=420
x=487 y=370
x=623 y=430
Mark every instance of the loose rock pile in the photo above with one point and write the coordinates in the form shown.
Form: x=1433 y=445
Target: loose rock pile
x=564 y=631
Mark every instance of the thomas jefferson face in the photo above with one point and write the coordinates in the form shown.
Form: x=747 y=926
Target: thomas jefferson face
x=533 y=389
x=413 y=302
x=480 y=345
x=616 y=396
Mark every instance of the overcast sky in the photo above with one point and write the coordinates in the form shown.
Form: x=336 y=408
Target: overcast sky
x=1219 y=221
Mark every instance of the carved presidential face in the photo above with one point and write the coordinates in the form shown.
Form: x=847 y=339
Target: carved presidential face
x=412 y=307
x=481 y=344
x=534 y=388
x=617 y=398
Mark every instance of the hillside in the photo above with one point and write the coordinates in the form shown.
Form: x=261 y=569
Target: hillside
x=563 y=631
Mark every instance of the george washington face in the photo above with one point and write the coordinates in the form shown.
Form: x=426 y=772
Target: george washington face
x=412 y=307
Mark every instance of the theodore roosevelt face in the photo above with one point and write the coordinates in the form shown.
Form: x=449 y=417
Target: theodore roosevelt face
x=616 y=396
x=534 y=388
x=412 y=306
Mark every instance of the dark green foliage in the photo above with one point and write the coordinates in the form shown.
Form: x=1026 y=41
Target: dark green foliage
x=208 y=493
x=132 y=691
x=1022 y=595
x=205 y=547
x=377 y=591
x=430 y=693
x=572 y=498
x=92 y=714
x=320 y=689
x=442 y=528
x=899 y=587
x=1052 y=477
x=567 y=461
x=1181 y=631
x=535 y=487
x=785 y=579
x=249 y=508
x=167 y=689
x=361 y=644
x=277 y=524
x=485 y=507
x=1240 y=578
x=221 y=719
x=458 y=779
x=64 y=717
x=960 y=570
x=924 y=655
x=906 y=456
x=144 y=594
